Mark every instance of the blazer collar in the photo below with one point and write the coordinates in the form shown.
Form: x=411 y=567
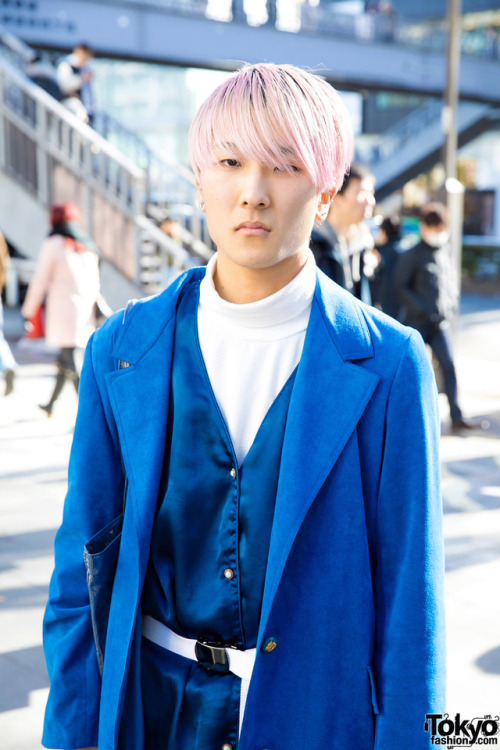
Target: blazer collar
x=344 y=320
x=146 y=322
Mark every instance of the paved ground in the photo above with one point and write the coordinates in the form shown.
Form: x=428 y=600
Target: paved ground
x=33 y=458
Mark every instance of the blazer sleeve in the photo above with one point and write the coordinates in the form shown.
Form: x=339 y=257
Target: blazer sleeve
x=93 y=499
x=409 y=572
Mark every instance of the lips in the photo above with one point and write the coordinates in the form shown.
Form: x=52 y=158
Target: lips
x=253 y=228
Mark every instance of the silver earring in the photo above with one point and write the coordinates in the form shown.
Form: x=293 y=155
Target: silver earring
x=202 y=205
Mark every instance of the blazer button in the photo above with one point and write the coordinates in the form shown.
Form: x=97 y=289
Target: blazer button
x=233 y=473
x=227 y=746
x=229 y=574
x=268 y=645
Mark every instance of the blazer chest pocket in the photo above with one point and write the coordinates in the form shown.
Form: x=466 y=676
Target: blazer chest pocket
x=101 y=558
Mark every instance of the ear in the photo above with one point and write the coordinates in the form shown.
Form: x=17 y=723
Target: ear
x=201 y=201
x=324 y=202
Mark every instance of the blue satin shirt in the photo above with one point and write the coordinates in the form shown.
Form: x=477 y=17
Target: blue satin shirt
x=209 y=551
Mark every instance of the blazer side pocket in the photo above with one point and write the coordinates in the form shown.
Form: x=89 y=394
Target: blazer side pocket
x=373 y=691
x=101 y=557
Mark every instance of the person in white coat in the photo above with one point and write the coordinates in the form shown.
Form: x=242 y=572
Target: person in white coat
x=67 y=279
x=74 y=79
x=7 y=361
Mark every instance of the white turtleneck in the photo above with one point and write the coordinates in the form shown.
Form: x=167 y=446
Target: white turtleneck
x=251 y=350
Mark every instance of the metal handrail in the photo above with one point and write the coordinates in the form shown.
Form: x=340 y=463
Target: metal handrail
x=40 y=140
x=168 y=187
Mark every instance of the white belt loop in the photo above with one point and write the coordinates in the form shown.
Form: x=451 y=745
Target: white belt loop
x=240 y=662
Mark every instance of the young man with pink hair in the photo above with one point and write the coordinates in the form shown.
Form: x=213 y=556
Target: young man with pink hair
x=278 y=583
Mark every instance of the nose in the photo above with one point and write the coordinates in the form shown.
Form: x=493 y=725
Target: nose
x=254 y=186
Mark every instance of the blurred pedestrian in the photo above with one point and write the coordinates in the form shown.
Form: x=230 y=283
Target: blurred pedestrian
x=388 y=244
x=7 y=361
x=255 y=476
x=74 y=78
x=67 y=279
x=425 y=282
x=343 y=245
x=44 y=74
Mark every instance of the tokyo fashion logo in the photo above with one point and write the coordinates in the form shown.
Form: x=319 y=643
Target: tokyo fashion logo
x=460 y=732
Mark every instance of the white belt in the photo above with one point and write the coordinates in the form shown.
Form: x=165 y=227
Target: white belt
x=215 y=658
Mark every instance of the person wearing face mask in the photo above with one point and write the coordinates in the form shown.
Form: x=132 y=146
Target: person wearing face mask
x=425 y=283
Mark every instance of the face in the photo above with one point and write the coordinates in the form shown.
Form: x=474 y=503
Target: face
x=258 y=216
x=358 y=200
x=83 y=57
x=435 y=236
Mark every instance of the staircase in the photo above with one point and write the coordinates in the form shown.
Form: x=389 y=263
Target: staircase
x=413 y=144
x=47 y=156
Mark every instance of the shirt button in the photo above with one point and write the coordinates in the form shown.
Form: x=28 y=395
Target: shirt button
x=227 y=746
x=228 y=573
x=233 y=473
x=268 y=645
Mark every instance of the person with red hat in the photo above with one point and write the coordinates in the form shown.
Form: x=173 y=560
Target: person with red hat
x=67 y=279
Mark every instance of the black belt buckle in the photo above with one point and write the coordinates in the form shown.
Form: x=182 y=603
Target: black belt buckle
x=212 y=656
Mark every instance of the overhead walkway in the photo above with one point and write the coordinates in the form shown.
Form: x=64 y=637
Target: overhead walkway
x=414 y=144
x=354 y=52
x=47 y=156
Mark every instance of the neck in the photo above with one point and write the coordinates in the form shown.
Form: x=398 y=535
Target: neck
x=241 y=285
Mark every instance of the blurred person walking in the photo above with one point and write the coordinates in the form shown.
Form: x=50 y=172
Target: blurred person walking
x=388 y=244
x=425 y=282
x=7 y=361
x=343 y=245
x=67 y=277
x=74 y=80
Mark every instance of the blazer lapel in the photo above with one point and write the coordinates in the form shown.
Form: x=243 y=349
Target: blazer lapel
x=329 y=396
x=140 y=396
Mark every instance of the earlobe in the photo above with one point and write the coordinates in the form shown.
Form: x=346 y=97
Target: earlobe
x=201 y=202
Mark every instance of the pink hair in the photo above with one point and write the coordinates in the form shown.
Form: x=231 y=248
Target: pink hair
x=277 y=115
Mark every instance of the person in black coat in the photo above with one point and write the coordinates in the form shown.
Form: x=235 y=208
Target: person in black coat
x=389 y=248
x=424 y=281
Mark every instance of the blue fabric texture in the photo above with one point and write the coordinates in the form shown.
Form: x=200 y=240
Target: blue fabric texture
x=208 y=522
x=354 y=577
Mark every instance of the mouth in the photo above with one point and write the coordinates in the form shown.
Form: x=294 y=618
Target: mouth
x=253 y=228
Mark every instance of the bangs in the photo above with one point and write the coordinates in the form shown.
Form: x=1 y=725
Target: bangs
x=279 y=116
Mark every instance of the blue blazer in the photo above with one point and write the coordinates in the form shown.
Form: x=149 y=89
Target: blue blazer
x=354 y=585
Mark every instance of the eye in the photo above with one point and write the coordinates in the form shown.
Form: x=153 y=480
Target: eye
x=229 y=162
x=285 y=171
